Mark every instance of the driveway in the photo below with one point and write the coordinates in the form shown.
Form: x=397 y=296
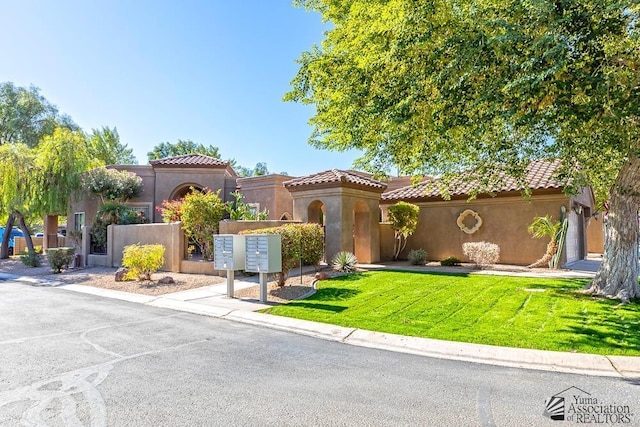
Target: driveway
x=78 y=359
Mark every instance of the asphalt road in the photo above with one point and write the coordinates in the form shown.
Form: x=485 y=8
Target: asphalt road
x=69 y=359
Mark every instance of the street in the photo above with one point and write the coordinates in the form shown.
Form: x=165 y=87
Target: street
x=71 y=359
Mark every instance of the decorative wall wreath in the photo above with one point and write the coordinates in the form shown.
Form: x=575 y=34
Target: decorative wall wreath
x=464 y=216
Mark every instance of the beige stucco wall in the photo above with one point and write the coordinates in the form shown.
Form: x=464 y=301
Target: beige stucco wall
x=169 y=180
x=342 y=219
x=170 y=236
x=505 y=222
x=269 y=192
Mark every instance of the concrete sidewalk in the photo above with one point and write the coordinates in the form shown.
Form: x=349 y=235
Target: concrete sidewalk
x=212 y=301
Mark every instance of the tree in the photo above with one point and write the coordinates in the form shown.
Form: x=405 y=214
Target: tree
x=26 y=116
x=404 y=222
x=106 y=146
x=39 y=181
x=182 y=147
x=112 y=184
x=259 y=169
x=441 y=87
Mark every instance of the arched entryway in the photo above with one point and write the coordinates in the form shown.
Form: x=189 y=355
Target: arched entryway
x=316 y=212
x=361 y=232
x=183 y=190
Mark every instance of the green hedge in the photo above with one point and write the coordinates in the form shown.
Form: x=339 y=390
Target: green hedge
x=308 y=237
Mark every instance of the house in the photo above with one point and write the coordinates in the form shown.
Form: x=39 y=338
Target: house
x=352 y=206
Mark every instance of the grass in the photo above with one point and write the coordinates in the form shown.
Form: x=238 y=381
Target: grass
x=545 y=314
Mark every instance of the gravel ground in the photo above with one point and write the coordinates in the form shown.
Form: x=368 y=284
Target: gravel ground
x=104 y=277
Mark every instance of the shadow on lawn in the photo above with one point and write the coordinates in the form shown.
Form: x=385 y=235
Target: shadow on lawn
x=306 y=304
x=333 y=294
x=616 y=327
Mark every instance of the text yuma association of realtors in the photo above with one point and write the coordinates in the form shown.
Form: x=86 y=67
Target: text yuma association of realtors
x=589 y=410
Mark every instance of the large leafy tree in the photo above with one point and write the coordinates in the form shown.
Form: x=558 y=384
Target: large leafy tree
x=440 y=87
x=26 y=116
x=105 y=146
x=182 y=147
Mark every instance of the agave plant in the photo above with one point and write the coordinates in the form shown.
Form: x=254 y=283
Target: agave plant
x=345 y=262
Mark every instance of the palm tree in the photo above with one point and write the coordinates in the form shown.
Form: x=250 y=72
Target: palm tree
x=544 y=226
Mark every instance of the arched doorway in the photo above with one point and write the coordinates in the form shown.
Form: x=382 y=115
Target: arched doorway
x=316 y=213
x=361 y=232
x=183 y=190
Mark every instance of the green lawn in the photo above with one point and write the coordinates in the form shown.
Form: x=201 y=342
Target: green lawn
x=546 y=314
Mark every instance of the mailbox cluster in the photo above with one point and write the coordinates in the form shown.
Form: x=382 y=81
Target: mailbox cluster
x=254 y=253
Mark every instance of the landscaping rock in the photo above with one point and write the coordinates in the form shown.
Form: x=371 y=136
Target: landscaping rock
x=166 y=280
x=321 y=275
x=120 y=273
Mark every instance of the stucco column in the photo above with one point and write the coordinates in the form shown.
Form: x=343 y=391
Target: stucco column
x=50 y=239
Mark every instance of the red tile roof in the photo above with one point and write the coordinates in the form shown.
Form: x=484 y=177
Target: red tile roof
x=540 y=175
x=193 y=160
x=335 y=176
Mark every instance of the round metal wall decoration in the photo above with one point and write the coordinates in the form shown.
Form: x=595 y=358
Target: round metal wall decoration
x=464 y=216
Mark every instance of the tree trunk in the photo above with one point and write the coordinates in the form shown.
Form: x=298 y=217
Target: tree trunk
x=25 y=231
x=4 y=248
x=618 y=273
x=552 y=247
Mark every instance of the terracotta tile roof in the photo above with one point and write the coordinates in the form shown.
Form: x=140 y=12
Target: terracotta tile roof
x=540 y=175
x=335 y=176
x=193 y=160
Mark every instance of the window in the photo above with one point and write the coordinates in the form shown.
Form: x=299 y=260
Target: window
x=142 y=209
x=78 y=221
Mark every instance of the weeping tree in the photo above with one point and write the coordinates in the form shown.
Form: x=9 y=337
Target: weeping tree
x=39 y=181
x=436 y=88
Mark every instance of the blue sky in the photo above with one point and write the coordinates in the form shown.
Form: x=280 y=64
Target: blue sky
x=210 y=71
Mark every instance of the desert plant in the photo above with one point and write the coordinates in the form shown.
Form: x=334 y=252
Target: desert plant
x=404 y=221
x=482 y=254
x=544 y=226
x=238 y=210
x=344 y=261
x=308 y=238
x=417 y=257
x=30 y=259
x=142 y=260
x=60 y=258
x=450 y=262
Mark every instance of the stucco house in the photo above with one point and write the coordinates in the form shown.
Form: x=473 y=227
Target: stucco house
x=352 y=206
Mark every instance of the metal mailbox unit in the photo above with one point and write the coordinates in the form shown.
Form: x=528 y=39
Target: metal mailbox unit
x=263 y=255
x=229 y=254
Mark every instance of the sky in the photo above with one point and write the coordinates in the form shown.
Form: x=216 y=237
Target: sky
x=210 y=71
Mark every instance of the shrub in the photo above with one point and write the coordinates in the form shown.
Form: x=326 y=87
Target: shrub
x=308 y=237
x=30 y=259
x=417 y=257
x=112 y=184
x=142 y=260
x=60 y=258
x=450 y=262
x=344 y=261
x=201 y=213
x=482 y=253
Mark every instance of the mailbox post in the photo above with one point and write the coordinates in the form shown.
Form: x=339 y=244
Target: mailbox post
x=264 y=256
x=228 y=254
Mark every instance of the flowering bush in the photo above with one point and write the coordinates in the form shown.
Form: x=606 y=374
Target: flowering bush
x=170 y=210
x=482 y=254
x=112 y=184
x=201 y=213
